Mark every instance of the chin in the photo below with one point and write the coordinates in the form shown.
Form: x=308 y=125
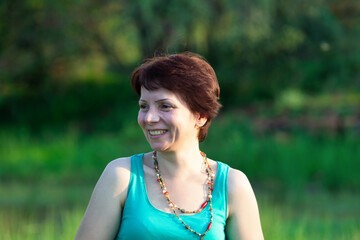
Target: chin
x=160 y=148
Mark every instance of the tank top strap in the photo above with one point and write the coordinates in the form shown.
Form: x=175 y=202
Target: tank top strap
x=136 y=192
x=220 y=190
x=137 y=165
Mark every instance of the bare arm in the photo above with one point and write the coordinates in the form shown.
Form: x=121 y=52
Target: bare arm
x=103 y=214
x=244 y=220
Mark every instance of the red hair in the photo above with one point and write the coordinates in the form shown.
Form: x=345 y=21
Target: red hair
x=186 y=74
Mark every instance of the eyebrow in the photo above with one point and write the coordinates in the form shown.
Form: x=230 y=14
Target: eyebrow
x=160 y=100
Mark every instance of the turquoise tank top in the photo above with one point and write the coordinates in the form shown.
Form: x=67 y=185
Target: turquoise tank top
x=142 y=221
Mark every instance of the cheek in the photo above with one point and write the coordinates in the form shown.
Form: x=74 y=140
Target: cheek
x=140 y=119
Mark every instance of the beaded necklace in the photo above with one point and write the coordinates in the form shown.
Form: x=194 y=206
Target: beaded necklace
x=174 y=207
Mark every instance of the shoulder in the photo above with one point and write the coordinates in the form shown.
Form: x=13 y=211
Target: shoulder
x=103 y=214
x=238 y=182
x=118 y=169
x=240 y=191
x=243 y=215
x=118 y=165
x=116 y=177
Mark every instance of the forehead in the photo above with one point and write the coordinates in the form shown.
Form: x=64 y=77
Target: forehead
x=157 y=94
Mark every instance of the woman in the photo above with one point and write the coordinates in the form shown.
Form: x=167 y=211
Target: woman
x=174 y=192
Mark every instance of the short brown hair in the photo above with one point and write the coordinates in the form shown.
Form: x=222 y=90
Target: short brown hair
x=186 y=74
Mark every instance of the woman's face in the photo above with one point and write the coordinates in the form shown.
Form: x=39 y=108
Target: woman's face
x=167 y=122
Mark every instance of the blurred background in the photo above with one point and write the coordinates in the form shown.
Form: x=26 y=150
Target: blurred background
x=289 y=73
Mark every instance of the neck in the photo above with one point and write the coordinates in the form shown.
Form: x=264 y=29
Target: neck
x=181 y=163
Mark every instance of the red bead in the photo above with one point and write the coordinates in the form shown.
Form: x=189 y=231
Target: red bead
x=204 y=204
x=208 y=228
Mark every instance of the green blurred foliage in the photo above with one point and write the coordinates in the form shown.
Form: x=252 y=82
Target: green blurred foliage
x=283 y=162
x=66 y=60
x=65 y=68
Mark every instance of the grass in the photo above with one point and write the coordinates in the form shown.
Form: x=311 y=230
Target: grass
x=312 y=216
x=65 y=156
x=285 y=161
x=41 y=211
x=51 y=225
x=48 y=217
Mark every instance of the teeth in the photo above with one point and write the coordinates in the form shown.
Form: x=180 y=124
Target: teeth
x=157 y=132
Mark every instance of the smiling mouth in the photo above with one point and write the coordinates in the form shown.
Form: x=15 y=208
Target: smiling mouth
x=157 y=132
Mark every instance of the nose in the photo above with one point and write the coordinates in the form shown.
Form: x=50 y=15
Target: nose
x=152 y=116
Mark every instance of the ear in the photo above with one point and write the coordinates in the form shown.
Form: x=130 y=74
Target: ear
x=200 y=121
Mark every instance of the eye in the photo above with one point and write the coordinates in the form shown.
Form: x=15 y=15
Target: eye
x=166 y=107
x=143 y=106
